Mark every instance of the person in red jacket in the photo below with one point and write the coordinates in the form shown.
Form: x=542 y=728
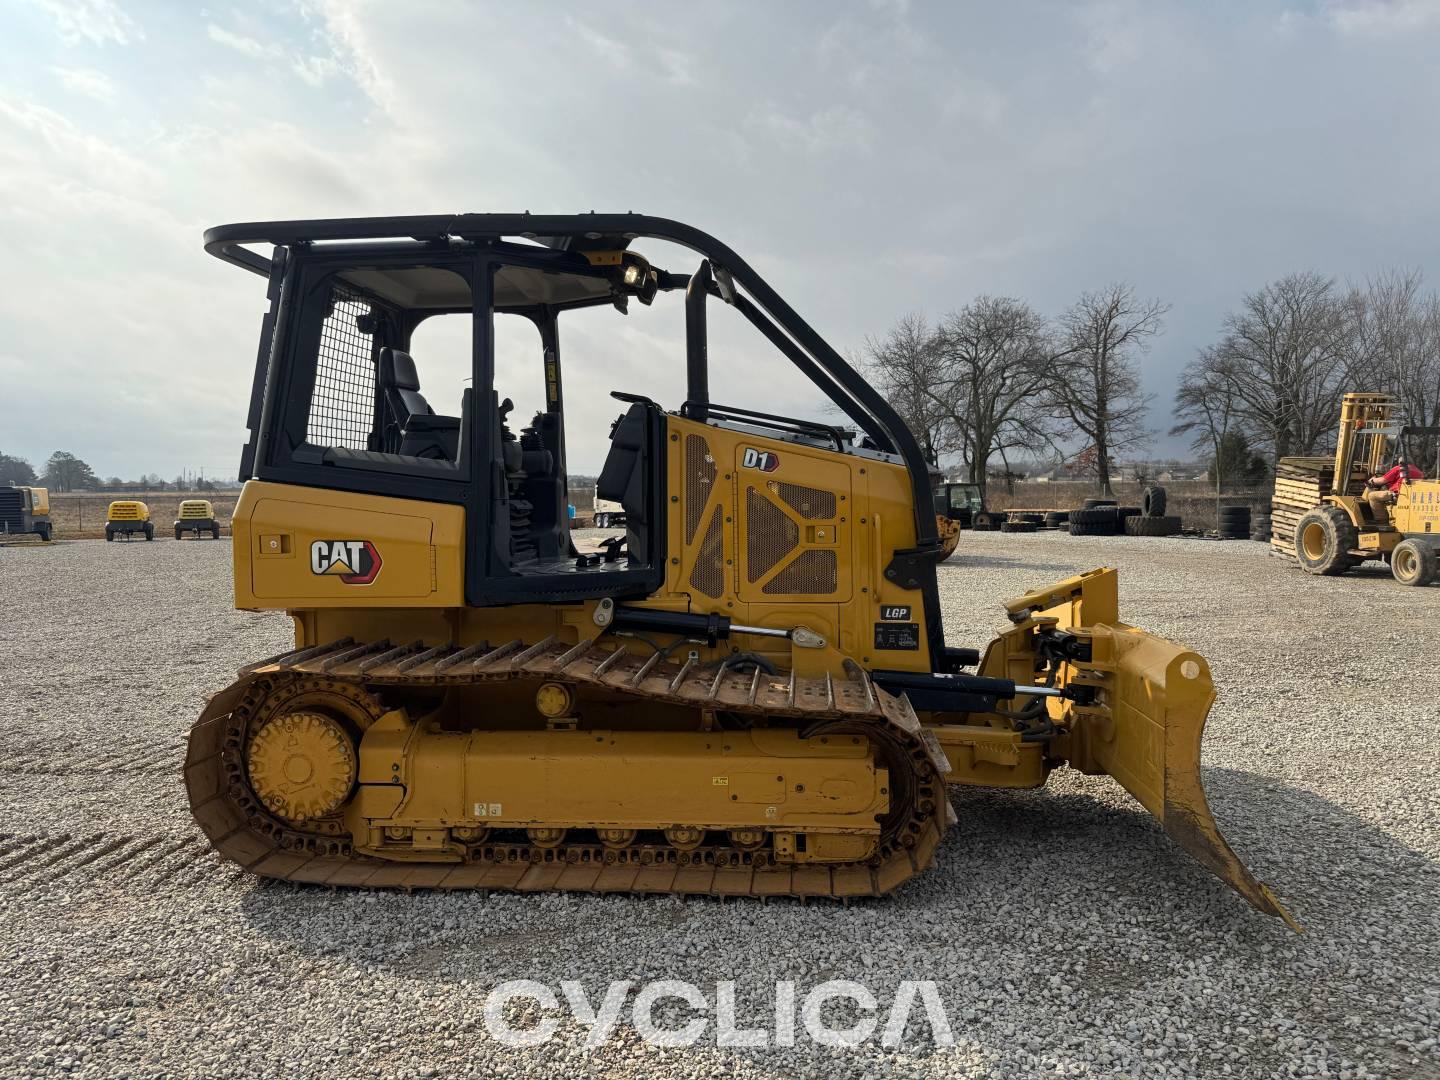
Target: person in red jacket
x=1381 y=490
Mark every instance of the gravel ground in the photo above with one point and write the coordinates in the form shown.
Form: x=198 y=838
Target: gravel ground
x=1067 y=935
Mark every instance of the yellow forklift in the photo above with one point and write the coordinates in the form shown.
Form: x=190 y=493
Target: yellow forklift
x=1347 y=528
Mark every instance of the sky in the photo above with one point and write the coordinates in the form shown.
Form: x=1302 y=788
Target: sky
x=868 y=159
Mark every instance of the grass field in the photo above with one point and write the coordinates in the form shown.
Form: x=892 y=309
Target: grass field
x=81 y=515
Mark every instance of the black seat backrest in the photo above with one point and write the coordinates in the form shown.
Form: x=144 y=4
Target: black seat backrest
x=624 y=477
x=412 y=427
x=401 y=384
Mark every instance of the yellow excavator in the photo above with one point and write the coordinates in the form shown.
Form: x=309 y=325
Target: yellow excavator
x=748 y=693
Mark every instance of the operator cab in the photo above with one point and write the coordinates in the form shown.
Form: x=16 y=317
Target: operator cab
x=377 y=375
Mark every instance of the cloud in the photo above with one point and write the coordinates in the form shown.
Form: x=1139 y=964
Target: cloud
x=86 y=82
x=246 y=46
x=96 y=21
x=867 y=160
x=1381 y=18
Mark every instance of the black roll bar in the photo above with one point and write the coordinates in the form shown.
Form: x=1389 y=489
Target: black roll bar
x=599 y=231
x=697 y=341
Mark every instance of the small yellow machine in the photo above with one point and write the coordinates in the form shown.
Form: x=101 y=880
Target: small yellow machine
x=1349 y=519
x=197 y=516
x=749 y=693
x=126 y=517
x=25 y=510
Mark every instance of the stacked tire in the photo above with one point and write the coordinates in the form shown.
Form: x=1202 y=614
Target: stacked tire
x=1056 y=518
x=1234 y=522
x=1149 y=518
x=1018 y=526
x=1095 y=520
x=1152 y=526
x=1260 y=526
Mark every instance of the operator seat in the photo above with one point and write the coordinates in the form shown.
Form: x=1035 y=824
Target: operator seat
x=414 y=428
x=624 y=478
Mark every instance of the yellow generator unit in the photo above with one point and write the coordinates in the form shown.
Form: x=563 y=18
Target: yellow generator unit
x=25 y=510
x=197 y=516
x=749 y=693
x=127 y=517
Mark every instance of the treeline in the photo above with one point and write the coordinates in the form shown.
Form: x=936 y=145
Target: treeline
x=999 y=380
x=64 y=472
x=996 y=378
x=1274 y=379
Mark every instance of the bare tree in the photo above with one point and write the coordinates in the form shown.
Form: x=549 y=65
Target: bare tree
x=973 y=386
x=905 y=366
x=1205 y=404
x=1096 y=374
x=1284 y=355
x=1395 y=344
x=994 y=354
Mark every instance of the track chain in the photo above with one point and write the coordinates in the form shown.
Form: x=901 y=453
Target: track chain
x=347 y=674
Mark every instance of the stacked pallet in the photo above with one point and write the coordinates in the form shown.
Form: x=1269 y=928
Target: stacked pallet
x=1301 y=483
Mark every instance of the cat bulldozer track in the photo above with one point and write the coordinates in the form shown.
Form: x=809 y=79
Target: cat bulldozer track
x=863 y=739
x=748 y=693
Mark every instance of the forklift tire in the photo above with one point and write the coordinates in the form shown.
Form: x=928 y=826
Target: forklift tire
x=1323 y=540
x=1414 y=563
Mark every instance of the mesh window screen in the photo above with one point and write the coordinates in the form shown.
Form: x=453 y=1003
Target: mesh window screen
x=342 y=407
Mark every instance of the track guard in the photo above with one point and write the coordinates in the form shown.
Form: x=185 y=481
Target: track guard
x=1146 y=725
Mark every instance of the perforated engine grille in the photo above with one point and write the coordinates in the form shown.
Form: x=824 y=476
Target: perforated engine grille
x=810 y=572
x=810 y=503
x=769 y=536
x=700 y=472
x=708 y=574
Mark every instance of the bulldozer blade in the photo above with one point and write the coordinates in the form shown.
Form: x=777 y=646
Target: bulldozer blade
x=1146 y=726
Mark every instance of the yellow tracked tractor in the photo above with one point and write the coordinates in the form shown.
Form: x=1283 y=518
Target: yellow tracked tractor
x=750 y=693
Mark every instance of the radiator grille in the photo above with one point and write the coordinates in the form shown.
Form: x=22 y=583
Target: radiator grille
x=708 y=574
x=811 y=572
x=810 y=503
x=700 y=472
x=12 y=507
x=770 y=535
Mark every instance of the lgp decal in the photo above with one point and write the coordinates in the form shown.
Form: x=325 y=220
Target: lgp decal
x=355 y=562
x=763 y=460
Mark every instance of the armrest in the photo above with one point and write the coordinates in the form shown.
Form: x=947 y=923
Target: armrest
x=433 y=423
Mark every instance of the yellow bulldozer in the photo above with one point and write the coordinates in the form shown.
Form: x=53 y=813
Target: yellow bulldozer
x=1330 y=514
x=748 y=693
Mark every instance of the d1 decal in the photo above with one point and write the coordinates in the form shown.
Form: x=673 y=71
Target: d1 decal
x=764 y=460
